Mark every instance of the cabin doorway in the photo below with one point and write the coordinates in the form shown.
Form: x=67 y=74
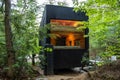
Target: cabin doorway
x=61 y=41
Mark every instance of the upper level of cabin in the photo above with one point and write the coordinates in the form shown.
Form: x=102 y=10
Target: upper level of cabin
x=64 y=21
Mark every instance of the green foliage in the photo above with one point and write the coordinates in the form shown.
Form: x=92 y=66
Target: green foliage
x=25 y=36
x=43 y=32
x=2 y=38
x=104 y=25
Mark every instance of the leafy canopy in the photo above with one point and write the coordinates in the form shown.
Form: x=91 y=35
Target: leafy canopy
x=103 y=23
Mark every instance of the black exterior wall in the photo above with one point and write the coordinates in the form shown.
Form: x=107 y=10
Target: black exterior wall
x=64 y=58
x=62 y=13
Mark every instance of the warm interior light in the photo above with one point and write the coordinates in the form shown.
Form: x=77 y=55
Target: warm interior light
x=65 y=34
x=66 y=23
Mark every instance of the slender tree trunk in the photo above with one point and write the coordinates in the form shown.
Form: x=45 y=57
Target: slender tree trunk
x=33 y=59
x=9 y=43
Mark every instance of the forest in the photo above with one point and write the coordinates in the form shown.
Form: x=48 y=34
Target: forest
x=19 y=36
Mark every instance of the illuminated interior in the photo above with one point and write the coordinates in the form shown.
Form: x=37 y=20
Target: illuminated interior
x=66 y=34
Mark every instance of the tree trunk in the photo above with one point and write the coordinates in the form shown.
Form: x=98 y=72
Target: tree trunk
x=33 y=59
x=9 y=43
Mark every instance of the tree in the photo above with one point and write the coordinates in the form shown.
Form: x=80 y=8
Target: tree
x=9 y=42
x=104 y=22
x=21 y=35
x=25 y=31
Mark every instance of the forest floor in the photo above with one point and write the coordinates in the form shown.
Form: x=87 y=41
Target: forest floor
x=65 y=75
x=109 y=71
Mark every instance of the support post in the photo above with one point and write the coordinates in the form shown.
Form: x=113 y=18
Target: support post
x=49 y=68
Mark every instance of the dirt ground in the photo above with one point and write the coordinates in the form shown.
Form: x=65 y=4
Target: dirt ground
x=63 y=77
x=67 y=75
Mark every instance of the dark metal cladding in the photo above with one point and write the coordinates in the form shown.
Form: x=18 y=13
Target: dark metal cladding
x=64 y=13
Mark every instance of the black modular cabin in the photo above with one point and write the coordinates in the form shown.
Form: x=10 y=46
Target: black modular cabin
x=69 y=46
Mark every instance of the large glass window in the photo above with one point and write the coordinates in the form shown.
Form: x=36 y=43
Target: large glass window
x=66 y=35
